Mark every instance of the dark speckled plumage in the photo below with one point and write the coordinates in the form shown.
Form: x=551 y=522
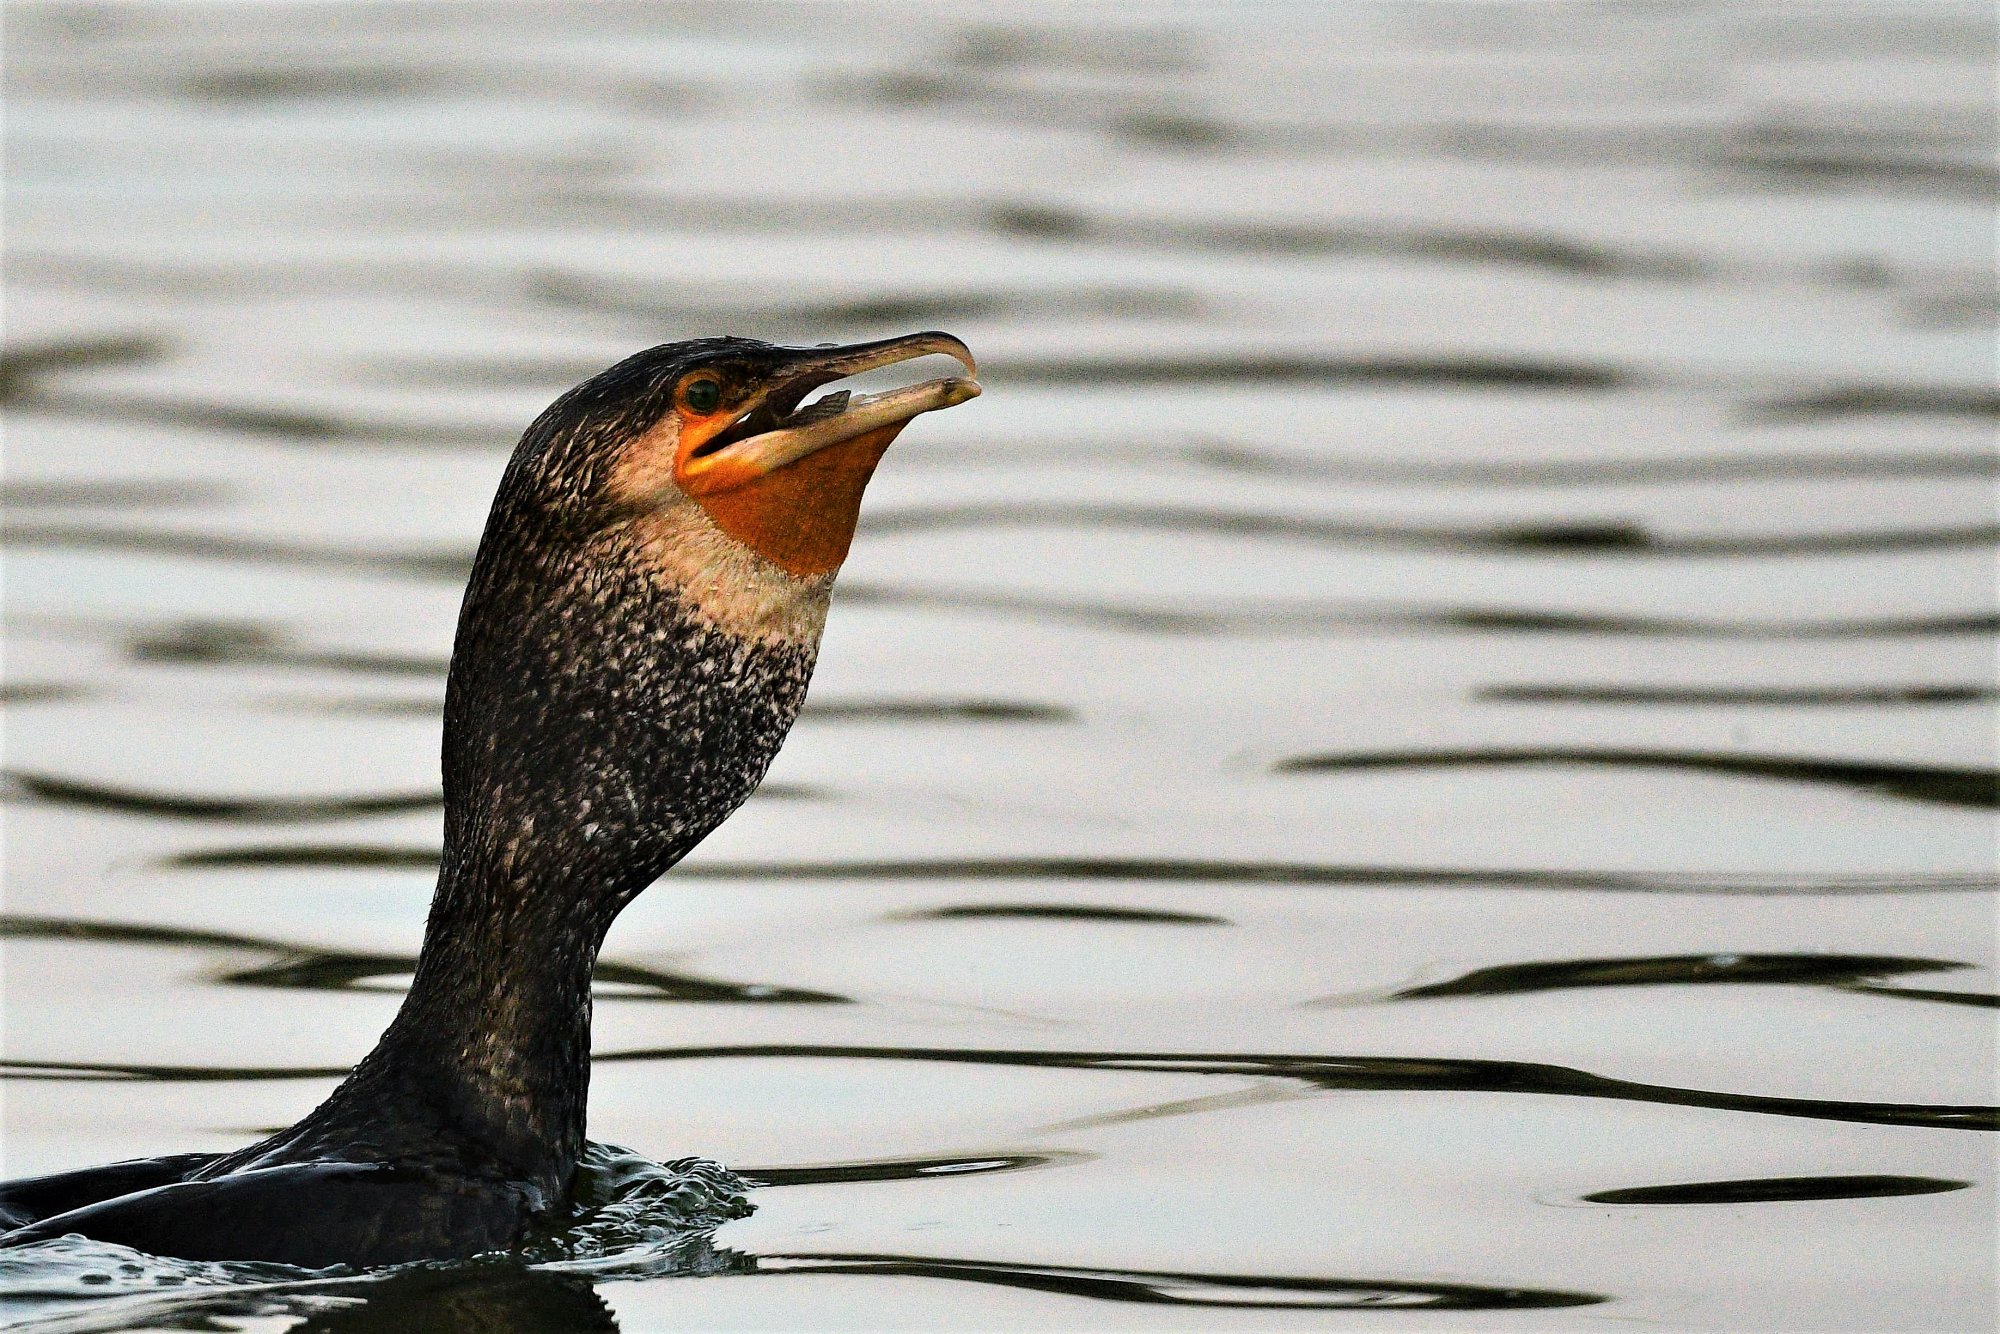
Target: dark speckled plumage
x=598 y=725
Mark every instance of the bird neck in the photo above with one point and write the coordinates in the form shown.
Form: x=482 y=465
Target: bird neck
x=559 y=812
x=494 y=1037
x=596 y=729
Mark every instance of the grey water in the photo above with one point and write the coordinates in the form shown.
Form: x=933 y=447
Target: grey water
x=1424 y=757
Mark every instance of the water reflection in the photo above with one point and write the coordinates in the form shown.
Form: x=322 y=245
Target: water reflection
x=456 y=1301
x=1770 y=1190
x=316 y=968
x=505 y=1295
x=24 y=364
x=909 y=1169
x=77 y=793
x=1846 y=972
x=1326 y=1073
x=1340 y=1074
x=112 y=495
x=1620 y=537
x=1160 y=1287
x=1234 y=457
x=1060 y=912
x=240 y=643
x=1943 y=785
x=236 y=810
x=1881 y=696
x=1654 y=432
x=1172 y=870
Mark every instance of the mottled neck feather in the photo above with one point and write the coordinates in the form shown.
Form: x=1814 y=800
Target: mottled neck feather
x=608 y=707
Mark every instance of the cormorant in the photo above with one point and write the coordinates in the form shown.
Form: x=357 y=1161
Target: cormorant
x=641 y=621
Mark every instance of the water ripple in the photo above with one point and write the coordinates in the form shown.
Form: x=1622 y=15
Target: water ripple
x=1857 y=972
x=1768 y=1190
x=237 y=643
x=254 y=810
x=908 y=1169
x=1368 y=1073
x=1246 y=617
x=318 y=968
x=22 y=366
x=1323 y=1073
x=1581 y=536
x=1876 y=696
x=16 y=785
x=1179 y=1288
x=1584 y=472
x=1058 y=912
x=1164 y=869
x=1937 y=784
x=129 y=494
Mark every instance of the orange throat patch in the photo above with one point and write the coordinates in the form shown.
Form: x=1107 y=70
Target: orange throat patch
x=802 y=517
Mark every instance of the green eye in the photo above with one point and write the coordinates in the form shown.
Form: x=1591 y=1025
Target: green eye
x=702 y=395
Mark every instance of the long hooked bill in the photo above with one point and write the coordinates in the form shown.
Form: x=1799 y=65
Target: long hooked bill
x=768 y=451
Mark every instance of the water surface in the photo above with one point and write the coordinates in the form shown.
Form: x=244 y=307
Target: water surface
x=1424 y=757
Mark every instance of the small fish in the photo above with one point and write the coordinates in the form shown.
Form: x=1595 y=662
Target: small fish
x=831 y=406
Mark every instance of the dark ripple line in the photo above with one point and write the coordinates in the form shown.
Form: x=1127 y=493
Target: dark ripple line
x=306 y=427
x=291 y=424
x=430 y=706
x=259 y=810
x=1547 y=251
x=1157 y=1287
x=316 y=968
x=1057 y=912
x=1592 y=472
x=934 y=711
x=1445 y=370
x=1978 y=999
x=436 y=564
x=1472 y=372
x=1847 y=972
x=1542 y=250
x=1608 y=537
x=171 y=1074
x=316 y=427
x=1580 y=538
x=908 y=1169
x=231 y=643
x=1152 y=870
x=1236 y=618
x=677 y=305
x=1376 y=1074
x=507 y=1296
x=1785 y=696
x=1367 y=1074
x=1243 y=617
x=1935 y=784
x=23 y=365
x=84 y=493
x=317 y=855
x=16 y=785
x=41 y=692
x=1767 y=1190
x=1875 y=401
x=1193 y=871
x=1831 y=164
x=1797 y=153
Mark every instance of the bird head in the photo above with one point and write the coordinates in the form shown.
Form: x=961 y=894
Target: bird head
x=647 y=602
x=722 y=427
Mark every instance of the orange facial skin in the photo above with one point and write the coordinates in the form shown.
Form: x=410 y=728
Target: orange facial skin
x=784 y=483
x=802 y=517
